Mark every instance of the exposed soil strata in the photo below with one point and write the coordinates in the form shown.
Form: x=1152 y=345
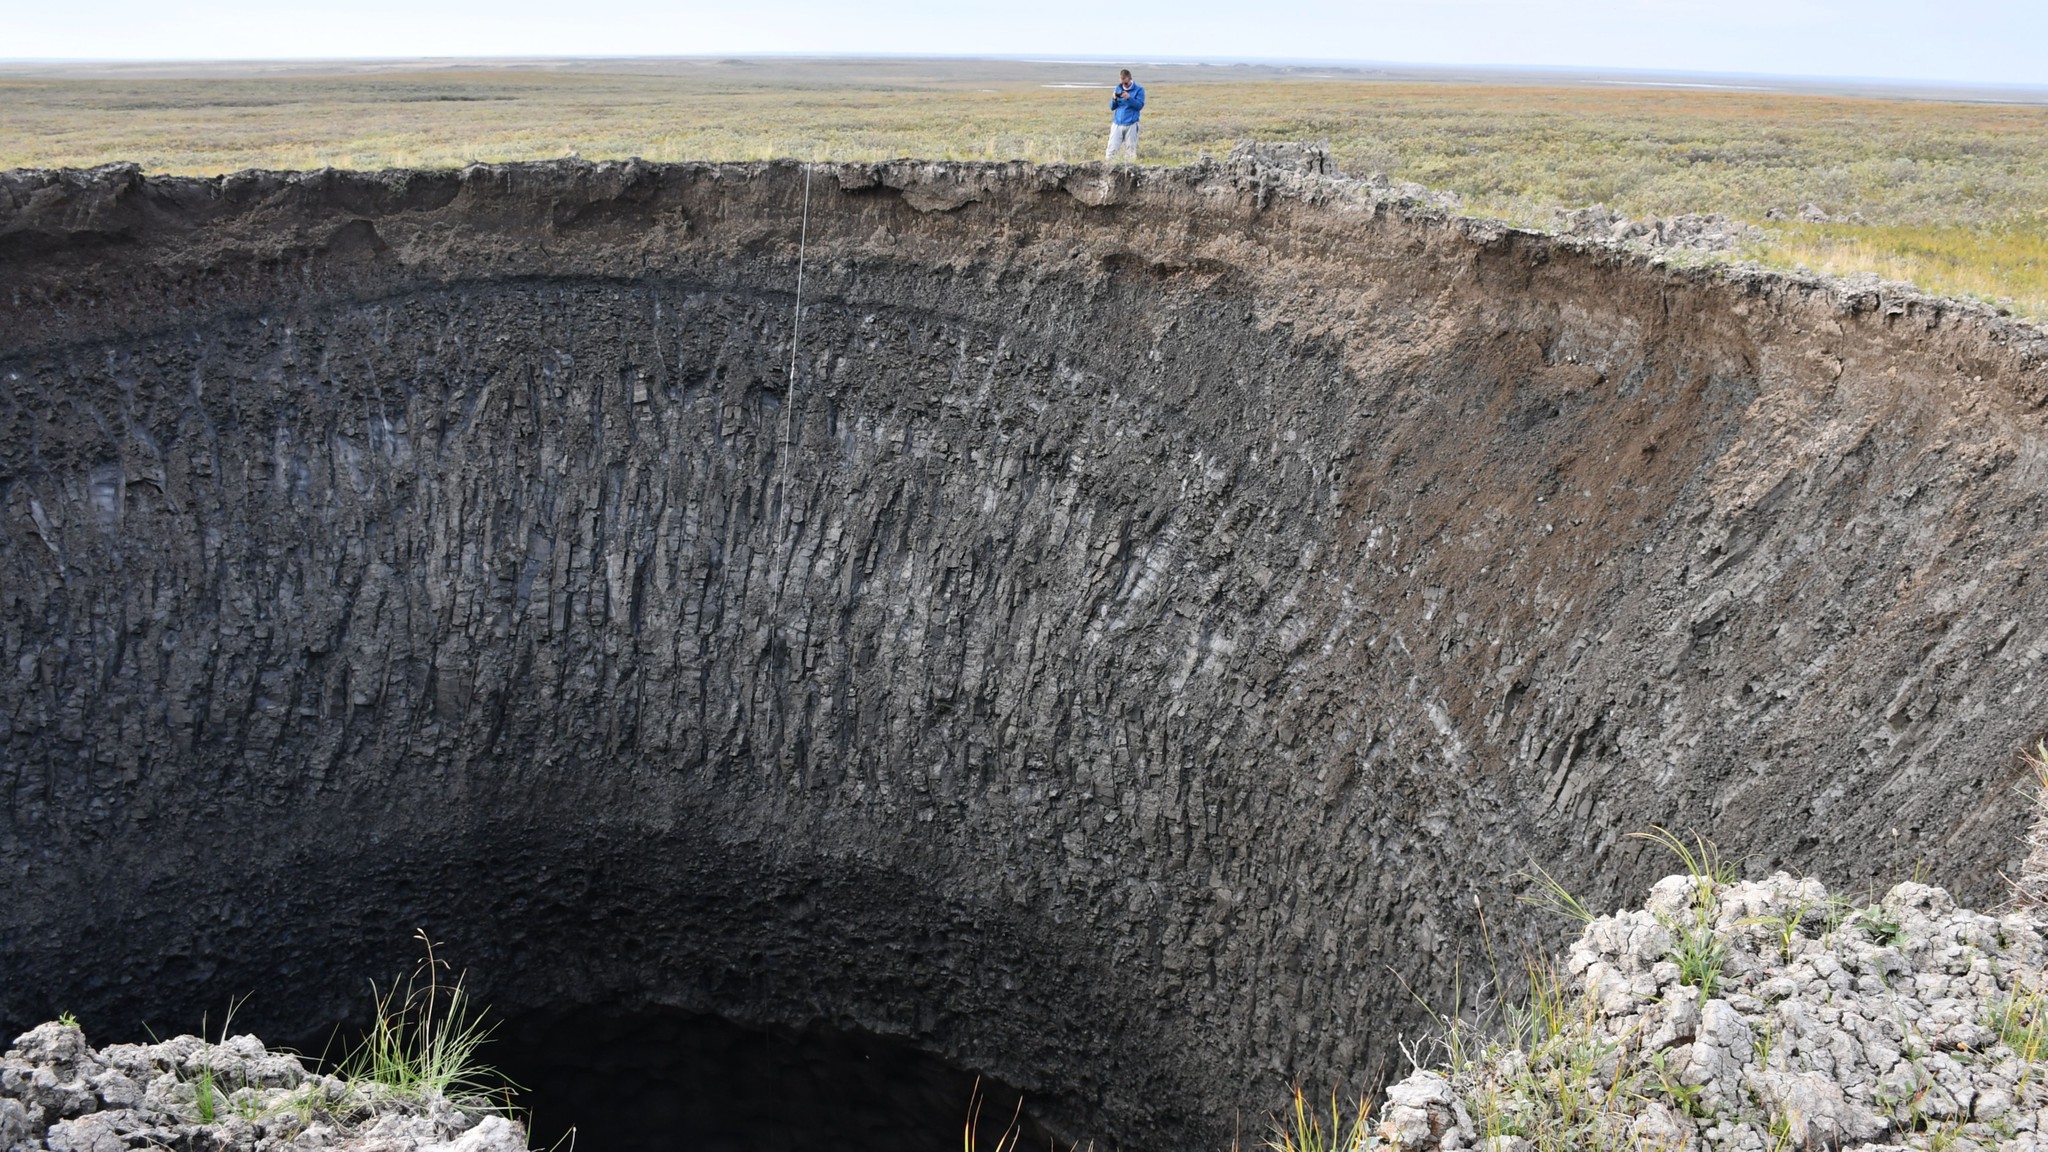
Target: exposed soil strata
x=1180 y=595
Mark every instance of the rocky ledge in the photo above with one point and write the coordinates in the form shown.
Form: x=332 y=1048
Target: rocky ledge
x=1759 y=1017
x=185 y=1094
x=1765 y=1016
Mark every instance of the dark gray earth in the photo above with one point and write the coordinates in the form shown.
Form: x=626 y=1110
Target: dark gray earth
x=1173 y=605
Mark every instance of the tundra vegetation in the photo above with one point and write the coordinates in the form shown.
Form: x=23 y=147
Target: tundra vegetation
x=1950 y=196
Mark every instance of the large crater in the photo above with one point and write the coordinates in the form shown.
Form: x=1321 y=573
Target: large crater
x=1165 y=610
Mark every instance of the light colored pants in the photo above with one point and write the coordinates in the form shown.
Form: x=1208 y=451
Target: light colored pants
x=1122 y=138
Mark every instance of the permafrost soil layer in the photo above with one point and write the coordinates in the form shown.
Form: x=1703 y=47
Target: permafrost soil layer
x=1167 y=606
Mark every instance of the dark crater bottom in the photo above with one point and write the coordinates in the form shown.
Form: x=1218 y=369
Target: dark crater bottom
x=664 y=1079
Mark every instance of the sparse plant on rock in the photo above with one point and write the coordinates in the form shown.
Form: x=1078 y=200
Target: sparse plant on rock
x=1784 y=925
x=1712 y=1021
x=1700 y=953
x=1765 y=1035
x=202 y=1095
x=1532 y=1071
x=1697 y=946
x=1687 y=1097
x=192 y=1092
x=1882 y=927
x=199 y=1071
x=1701 y=859
x=1927 y=1032
x=1779 y=1134
x=424 y=1040
x=2020 y=1022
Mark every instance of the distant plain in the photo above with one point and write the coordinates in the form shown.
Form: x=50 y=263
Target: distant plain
x=1948 y=190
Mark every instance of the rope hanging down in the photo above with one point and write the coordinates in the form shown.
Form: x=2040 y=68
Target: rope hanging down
x=796 y=320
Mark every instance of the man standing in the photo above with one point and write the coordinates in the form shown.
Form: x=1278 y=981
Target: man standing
x=1124 y=106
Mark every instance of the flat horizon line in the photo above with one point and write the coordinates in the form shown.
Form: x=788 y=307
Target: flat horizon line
x=1396 y=71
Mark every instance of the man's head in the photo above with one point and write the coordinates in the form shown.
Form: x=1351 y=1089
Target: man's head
x=1124 y=77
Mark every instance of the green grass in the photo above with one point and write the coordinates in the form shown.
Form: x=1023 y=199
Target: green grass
x=1697 y=946
x=1953 y=196
x=1700 y=954
x=1551 y=895
x=1824 y=917
x=2020 y=1021
x=1533 y=1066
x=207 y=1094
x=203 y=1095
x=1881 y=926
x=1539 y=1068
x=1544 y=1073
x=424 y=1042
x=1701 y=859
x=1687 y=1098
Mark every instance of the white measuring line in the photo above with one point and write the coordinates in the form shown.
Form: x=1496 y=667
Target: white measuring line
x=796 y=325
x=796 y=320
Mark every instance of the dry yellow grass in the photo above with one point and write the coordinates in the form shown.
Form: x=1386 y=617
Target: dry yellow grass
x=1951 y=196
x=2007 y=266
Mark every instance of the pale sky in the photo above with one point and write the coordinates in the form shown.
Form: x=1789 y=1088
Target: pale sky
x=1971 y=41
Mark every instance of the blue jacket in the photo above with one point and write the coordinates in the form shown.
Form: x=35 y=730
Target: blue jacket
x=1126 y=108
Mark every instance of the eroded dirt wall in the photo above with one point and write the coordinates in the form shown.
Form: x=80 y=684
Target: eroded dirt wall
x=1173 y=602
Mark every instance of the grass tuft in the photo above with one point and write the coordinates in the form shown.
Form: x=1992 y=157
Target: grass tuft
x=1300 y=1128
x=202 y=1094
x=1012 y=1134
x=1697 y=947
x=2020 y=1021
x=1552 y=896
x=1535 y=1068
x=1701 y=859
x=424 y=1041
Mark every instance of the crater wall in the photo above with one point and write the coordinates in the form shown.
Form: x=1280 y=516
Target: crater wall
x=1166 y=607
